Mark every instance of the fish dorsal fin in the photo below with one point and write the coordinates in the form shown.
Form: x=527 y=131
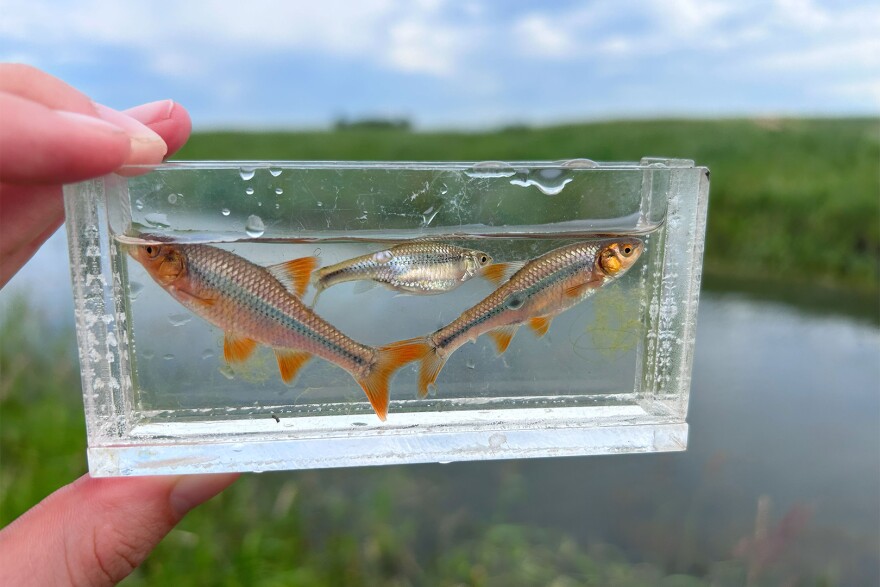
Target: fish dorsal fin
x=237 y=348
x=540 y=324
x=502 y=336
x=290 y=362
x=294 y=275
x=498 y=273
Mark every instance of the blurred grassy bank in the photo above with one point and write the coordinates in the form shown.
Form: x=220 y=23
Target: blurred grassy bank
x=791 y=199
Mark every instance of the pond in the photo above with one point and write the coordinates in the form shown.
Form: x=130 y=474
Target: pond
x=782 y=472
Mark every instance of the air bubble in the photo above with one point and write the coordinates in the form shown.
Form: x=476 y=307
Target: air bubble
x=247 y=173
x=490 y=169
x=249 y=191
x=139 y=204
x=274 y=172
x=134 y=289
x=172 y=198
x=444 y=189
x=207 y=354
x=320 y=204
x=168 y=356
x=470 y=365
x=227 y=372
x=225 y=211
x=278 y=191
x=254 y=226
x=579 y=164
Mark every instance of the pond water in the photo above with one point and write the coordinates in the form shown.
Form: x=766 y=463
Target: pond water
x=782 y=468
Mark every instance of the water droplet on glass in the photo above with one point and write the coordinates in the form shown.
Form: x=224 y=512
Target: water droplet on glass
x=320 y=204
x=179 y=319
x=254 y=226
x=278 y=191
x=470 y=365
x=168 y=356
x=550 y=188
x=157 y=220
x=249 y=191
x=225 y=211
x=172 y=198
x=489 y=169
x=227 y=372
x=207 y=354
x=444 y=189
x=317 y=252
x=139 y=204
x=247 y=173
x=579 y=164
x=277 y=206
x=274 y=172
x=148 y=355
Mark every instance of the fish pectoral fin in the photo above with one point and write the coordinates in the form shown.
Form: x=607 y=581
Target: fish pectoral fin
x=578 y=289
x=237 y=348
x=498 y=273
x=540 y=324
x=502 y=336
x=295 y=275
x=364 y=286
x=201 y=301
x=290 y=362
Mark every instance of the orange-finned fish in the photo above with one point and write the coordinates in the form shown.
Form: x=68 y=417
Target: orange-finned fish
x=260 y=305
x=544 y=287
x=420 y=267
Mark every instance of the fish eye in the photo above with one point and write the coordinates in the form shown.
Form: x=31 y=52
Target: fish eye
x=484 y=259
x=152 y=251
x=627 y=250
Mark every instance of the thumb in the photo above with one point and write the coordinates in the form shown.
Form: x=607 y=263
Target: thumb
x=96 y=531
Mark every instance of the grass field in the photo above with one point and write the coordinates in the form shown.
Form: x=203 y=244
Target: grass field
x=790 y=199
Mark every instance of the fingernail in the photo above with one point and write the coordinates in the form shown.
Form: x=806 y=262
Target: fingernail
x=146 y=145
x=193 y=490
x=152 y=111
x=90 y=121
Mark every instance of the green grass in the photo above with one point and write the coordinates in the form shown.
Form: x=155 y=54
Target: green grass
x=790 y=199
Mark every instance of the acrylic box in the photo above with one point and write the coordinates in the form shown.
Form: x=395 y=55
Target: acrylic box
x=611 y=374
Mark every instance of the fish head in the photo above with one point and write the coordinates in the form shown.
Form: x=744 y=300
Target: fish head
x=619 y=255
x=475 y=260
x=165 y=263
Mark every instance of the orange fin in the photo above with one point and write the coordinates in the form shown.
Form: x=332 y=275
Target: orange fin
x=429 y=370
x=290 y=362
x=540 y=324
x=390 y=359
x=294 y=275
x=502 y=336
x=498 y=273
x=237 y=348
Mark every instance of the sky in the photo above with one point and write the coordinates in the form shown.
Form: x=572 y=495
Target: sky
x=466 y=64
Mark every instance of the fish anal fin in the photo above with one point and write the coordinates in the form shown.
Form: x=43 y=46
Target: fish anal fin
x=502 y=336
x=390 y=359
x=540 y=324
x=290 y=362
x=363 y=286
x=498 y=273
x=237 y=348
x=295 y=274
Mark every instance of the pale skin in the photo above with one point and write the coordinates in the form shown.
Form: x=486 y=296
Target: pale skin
x=93 y=531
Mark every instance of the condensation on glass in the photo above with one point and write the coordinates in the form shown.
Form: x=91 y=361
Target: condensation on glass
x=612 y=375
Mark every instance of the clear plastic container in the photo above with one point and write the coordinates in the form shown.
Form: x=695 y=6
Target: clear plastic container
x=611 y=375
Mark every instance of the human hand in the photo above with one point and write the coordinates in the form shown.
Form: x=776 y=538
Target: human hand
x=93 y=531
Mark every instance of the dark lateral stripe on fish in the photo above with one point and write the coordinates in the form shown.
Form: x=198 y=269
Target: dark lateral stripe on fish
x=262 y=306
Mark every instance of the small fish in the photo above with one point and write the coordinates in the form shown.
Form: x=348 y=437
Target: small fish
x=419 y=268
x=261 y=305
x=534 y=295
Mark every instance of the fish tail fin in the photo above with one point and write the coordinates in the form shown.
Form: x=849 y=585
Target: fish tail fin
x=498 y=273
x=390 y=359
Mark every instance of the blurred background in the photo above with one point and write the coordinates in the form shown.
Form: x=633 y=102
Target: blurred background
x=780 y=484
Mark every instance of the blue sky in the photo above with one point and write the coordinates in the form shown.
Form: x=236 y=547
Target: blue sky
x=469 y=64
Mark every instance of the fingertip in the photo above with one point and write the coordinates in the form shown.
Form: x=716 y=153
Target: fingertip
x=193 y=490
x=174 y=128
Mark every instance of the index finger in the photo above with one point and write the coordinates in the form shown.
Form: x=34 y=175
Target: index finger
x=30 y=83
